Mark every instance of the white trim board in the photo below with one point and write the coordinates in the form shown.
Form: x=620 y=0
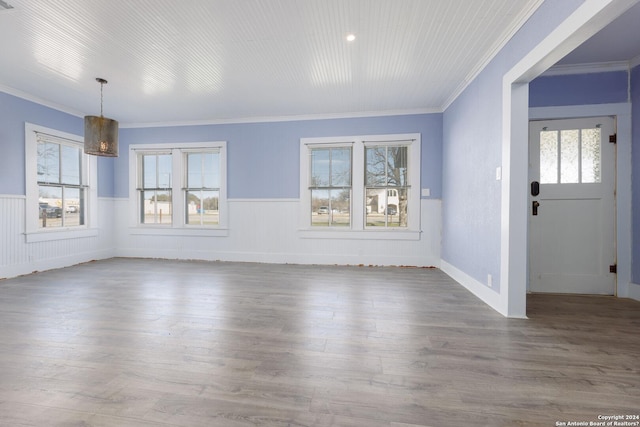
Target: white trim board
x=622 y=112
x=488 y=295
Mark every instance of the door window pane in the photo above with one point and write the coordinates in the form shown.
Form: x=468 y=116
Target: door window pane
x=591 y=155
x=569 y=159
x=549 y=157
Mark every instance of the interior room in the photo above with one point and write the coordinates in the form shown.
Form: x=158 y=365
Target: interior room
x=319 y=213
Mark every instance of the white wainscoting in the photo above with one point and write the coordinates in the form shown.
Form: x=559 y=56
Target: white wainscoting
x=17 y=257
x=267 y=231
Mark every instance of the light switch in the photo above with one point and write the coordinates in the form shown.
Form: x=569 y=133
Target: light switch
x=426 y=192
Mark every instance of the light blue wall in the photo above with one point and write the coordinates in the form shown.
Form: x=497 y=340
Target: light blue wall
x=472 y=143
x=635 y=171
x=263 y=158
x=579 y=89
x=14 y=112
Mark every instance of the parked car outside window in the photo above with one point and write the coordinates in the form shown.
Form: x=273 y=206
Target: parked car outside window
x=50 y=211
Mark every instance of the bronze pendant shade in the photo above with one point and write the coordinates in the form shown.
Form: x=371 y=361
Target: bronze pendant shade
x=100 y=133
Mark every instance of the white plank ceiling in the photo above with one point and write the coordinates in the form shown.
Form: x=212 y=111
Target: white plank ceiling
x=214 y=60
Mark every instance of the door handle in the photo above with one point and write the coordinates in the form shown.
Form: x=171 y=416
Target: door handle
x=534 y=207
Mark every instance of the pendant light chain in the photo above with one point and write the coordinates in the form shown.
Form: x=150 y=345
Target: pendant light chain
x=101 y=86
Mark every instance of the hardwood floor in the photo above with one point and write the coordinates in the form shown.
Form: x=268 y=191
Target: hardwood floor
x=130 y=342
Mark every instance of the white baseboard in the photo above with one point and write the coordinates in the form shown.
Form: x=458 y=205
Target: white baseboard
x=280 y=258
x=53 y=263
x=487 y=295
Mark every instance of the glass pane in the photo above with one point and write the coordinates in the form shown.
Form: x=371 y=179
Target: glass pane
x=156 y=207
x=72 y=215
x=376 y=159
x=591 y=155
x=549 y=157
x=149 y=171
x=386 y=207
x=156 y=171
x=331 y=208
x=48 y=162
x=375 y=202
x=202 y=208
x=50 y=206
x=398 y=215
x=194 y=170
x=339 y=208
x=164 y=171
x=70 y=165
x=211 y=170
x=320 y=161
x=397 y=166
x=569 y=160
x=340 y=167
x=320 y=207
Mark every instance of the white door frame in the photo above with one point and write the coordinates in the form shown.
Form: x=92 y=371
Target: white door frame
x=586 y=111
x=588 y=19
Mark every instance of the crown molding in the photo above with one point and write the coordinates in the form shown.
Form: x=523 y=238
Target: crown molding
x=520 y=20
x=40 y=101
x=267 y=119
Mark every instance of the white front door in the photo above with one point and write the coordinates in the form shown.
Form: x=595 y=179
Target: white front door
x=572 y=218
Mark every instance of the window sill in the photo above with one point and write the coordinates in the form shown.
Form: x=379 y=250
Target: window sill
x=187 y=232
x=359 y=234
x=61 y=234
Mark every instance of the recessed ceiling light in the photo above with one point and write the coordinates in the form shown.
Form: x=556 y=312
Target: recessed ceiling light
x=351 y=37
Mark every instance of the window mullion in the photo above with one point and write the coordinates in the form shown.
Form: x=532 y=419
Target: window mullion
x=177 y=207
x=358 y=193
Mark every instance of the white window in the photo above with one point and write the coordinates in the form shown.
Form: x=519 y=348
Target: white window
x=360 y=187
x=330 y=186
x=179 y=188
x=61 y=194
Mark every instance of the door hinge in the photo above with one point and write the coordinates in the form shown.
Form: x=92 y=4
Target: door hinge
x=613 y=138
x=613 y=268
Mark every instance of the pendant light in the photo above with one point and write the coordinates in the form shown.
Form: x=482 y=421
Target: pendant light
x=100 y=133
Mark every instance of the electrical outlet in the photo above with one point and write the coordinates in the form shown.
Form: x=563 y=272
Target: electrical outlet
x=498 y=173
x=489 y=280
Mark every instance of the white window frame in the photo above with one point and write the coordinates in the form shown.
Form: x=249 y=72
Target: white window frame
x=34 y=233
x=178 y=227
x=358 y=228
